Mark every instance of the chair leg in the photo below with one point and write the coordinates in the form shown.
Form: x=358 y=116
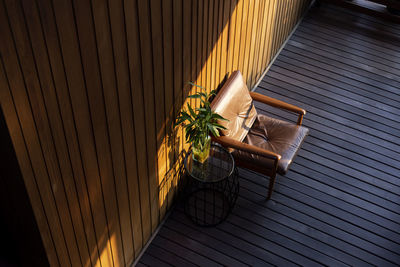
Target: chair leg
x=271 y=185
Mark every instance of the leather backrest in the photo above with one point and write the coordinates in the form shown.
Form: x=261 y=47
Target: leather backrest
x=233 y=102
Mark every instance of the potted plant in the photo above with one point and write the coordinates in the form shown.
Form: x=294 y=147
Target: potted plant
x=199 y=123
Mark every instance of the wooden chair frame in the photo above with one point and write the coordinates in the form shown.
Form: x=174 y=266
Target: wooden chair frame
x=232 y=143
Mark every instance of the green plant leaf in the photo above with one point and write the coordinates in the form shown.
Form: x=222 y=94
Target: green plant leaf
x=191 y=83
x=192 y=113
x=219 y=126
x=213 y=129
x=195 y=96
x=200 y=122
x=219 y=117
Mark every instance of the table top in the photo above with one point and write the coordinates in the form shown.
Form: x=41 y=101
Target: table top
x=219 y=165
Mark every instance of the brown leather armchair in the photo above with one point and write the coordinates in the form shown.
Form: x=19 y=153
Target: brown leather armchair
x=256 y=141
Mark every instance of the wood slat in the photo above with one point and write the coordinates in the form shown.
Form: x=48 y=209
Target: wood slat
x=119 y=39
x=26 y=169
x=14 y=72
x=57 y=128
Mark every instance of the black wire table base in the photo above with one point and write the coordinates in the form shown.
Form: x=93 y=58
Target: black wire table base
x=209 y=204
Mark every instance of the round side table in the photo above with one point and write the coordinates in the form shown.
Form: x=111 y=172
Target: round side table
x=212 y=188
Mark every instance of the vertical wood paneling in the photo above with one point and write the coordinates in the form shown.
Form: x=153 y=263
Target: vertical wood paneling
x=105 y=49
x=219 y=36
x=16 y=80
x=199 y=46
x=149 y=109
x=209 y=43
x=225 y=24
x=71 y=56
x=168 y=92
x=133 y=44
x=261 y=40
x=194 y=44
x=64 y=99
x=214 y=44
x=35 y=94
x=157 y=42
x=203 y=39
x=178 y=86
x=254 y=41
x=90 y=90
x=249 y=39
x=51 y=103
x=118 y=30
x=233 y=25
x=25 y=164
x=95 y=87
x=241 y=41
x=187 y=45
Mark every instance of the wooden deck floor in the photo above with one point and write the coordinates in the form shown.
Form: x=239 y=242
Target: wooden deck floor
x=340 y=202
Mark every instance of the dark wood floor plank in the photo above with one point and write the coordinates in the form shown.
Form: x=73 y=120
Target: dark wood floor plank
x=367 y=151
x=307 y=73
x=309 y=236
x=200 y=248
x=346 y=67
x=174 y=259
x=315 y=228
x=308 y=79
x=371 y=20
x=387 y=181
x=317 y=124
x=314 y=163
x=150 y=260
x=368 y=165
x=268 y=218
x=351 y=109
x=188 y=254
x=322 y=221
x=317 y=71
x=314 y=40
x=350 y=126
x=276 y=248
x=366 y=29
x=340 y=74
x=186 y=227
x=345 y=170
x=346 y=220
x=336 y=218
x=347 y=62
x=238 y=243
x=291 y=249
x=335 y=34
x=379 y=39
x=324 y=41
x=349 y=199
x=339 y=204
x=309 y=257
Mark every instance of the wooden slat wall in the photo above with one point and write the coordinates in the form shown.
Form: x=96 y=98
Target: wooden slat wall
x=89 y=90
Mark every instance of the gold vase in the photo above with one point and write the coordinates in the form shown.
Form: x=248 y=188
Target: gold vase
x=201 y=153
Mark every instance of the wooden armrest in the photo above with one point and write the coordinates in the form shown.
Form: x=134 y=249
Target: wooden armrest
x=276 y=103
x=232 y=143
x=279 y=104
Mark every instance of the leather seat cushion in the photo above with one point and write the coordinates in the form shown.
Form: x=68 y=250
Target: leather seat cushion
x=281 y=137
x=235 y=104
